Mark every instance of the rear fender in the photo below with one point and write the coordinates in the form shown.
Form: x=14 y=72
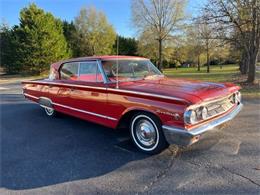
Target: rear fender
x=45 y=102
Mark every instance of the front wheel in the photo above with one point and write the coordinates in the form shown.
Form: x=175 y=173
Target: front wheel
x=146 y=133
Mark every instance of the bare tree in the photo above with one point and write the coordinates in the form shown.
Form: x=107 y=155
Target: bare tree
x=203 y=38
x=205 y=33
x=198 y=47
x=160 y=16
x=243 y=18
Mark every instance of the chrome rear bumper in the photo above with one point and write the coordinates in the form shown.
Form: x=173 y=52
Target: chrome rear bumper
x=184 y=137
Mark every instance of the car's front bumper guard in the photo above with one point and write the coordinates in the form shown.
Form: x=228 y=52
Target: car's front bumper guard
x=183 y=137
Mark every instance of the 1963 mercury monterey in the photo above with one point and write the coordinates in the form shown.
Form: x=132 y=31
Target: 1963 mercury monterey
x=117 y=91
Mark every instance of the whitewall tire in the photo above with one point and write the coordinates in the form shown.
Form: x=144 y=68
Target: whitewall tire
x=50 y=112
x=146 y=133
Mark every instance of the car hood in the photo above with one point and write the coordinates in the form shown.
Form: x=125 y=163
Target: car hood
x=189 y=90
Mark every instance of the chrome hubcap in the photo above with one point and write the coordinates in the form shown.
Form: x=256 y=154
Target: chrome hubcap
x=145 y=132
x=49 y=111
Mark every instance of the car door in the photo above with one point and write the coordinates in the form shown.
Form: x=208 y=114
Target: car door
x=59 y=90
x=88 y=95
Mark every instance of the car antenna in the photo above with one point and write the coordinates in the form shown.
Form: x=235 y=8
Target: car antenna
x=117 y=48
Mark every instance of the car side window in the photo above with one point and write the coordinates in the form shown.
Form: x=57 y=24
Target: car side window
x=69 y=71
x=89 y=72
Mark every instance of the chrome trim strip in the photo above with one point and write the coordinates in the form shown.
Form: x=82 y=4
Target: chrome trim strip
x=147 y=94
x=44 y=106
x=42 y=97
x=67 y=85
x=173 y=132
x=210 y=101
x=31 y=96
x=105 y=79
x=86 y=112
x=112 y=89
x=71 y=108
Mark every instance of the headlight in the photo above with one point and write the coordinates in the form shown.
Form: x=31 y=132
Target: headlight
x=204 y=113
x=193 y=116
x=236 y=97
x=239 y=97
x=190 y=117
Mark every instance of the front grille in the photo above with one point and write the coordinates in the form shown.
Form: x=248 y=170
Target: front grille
x=219 y=106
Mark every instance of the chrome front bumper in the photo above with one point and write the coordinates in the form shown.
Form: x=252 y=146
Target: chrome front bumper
x=184 y=137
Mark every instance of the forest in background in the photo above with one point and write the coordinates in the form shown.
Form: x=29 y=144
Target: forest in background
x=225 y=32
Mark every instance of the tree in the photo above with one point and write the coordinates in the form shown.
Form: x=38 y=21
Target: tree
x=127 y=46
x=147 y=45
x=179 y=53
x=95 y=36
x=8 y=54
x=206 y=31
x=70 y=33
x=243 y=18
x=41 y=40
x=195 y=44
x=162 y=17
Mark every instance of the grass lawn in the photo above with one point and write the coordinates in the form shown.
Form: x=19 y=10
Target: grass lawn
x=228 y=73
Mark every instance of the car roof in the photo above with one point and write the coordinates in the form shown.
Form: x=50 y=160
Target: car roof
x=104 y=57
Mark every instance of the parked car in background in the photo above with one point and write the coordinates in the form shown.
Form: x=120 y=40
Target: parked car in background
x=125 y=91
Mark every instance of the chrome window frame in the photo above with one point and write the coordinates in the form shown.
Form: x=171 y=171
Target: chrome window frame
x=106 y=79
x=98 y=68
x=99 y=65
x=65 y=64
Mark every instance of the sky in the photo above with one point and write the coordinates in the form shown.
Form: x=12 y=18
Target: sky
x=118 y=12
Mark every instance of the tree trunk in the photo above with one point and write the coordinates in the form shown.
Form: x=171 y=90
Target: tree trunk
x=243 y=66
x=198 y=62
x=252 y=67
x=160 y=54
x=254 y=43
x=207 y=56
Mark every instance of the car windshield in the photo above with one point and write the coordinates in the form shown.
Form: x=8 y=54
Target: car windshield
x=130 y=69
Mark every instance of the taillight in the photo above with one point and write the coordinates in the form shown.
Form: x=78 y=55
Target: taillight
x=53 y=74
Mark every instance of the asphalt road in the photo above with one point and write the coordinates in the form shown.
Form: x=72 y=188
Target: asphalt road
x=65 y=155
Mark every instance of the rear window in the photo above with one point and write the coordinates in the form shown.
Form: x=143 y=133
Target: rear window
x=69 y=71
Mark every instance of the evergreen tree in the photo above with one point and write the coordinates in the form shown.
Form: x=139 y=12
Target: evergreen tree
x=41 y=40
x=70 y=33
x=127 y=46
x=8 y=54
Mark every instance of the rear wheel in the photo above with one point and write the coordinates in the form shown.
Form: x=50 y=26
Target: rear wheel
x=50 y=112
x=146 y=133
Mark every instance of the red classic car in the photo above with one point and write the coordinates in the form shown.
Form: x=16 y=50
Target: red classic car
x=124 y=91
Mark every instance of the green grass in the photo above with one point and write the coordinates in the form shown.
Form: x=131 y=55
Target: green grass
x=228 y=73
x=19 y=77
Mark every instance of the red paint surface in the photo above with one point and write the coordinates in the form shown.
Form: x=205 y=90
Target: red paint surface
x=100 y=98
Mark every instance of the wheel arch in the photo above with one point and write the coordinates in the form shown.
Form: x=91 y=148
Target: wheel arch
x=45 y=102
x=126 y=116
